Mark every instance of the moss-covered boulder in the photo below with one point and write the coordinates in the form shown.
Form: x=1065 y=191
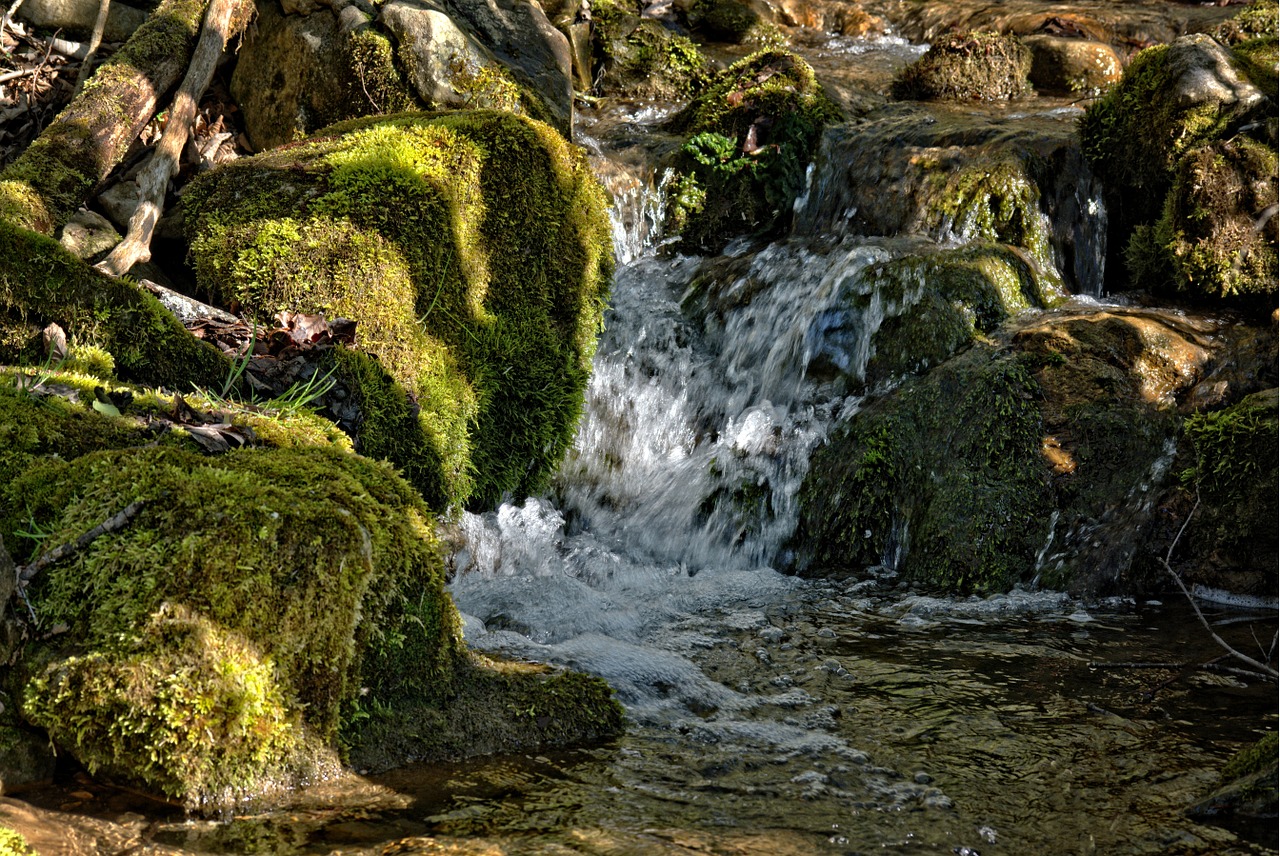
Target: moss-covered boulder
x=1248 y=786
x=905 y=315
x=1037 y=458
x=1183 y=112
x=473 y=251
x=980 y=66
x=254 y=618
x=732 y=21
x=1231 y=470
x=639 y=57
x=41 y=282
x=752 y=133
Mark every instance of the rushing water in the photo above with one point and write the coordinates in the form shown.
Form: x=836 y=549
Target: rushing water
x=769 y=714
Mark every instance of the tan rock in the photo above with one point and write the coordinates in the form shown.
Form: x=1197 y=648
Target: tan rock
x=1062 y=65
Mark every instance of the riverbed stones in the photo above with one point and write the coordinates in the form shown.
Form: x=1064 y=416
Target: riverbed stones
x=77 y=17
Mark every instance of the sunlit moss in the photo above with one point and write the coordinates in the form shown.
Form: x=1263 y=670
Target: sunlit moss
x=474 y=251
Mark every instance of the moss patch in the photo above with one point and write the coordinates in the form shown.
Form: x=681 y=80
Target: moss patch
x=498 y=707
x=966 y=67
x=1231 y=540
x=41 y=282
x=753 y=131
x=473 y=250
x=1214 y=238
x=639 y=57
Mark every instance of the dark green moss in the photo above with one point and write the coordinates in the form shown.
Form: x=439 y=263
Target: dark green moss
x=1252 y=760
x=942 y=481
x=753 y=131
x=497 y=707
x=41 y=282
x=724 y=20
x=966 y=67
x=473 y=250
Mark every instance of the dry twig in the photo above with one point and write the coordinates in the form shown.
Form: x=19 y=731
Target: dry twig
x=1244 y=658
x=27 y=573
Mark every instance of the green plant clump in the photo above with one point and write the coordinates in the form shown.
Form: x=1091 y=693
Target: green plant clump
x=752 y=133
x=967 y=67
x=474 y=252
x=13 y=844
x=639 y=57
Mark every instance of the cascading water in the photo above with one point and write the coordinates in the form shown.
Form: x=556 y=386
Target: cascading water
x=763 y=706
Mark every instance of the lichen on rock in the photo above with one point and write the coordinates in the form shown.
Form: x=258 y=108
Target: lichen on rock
x=474 y=251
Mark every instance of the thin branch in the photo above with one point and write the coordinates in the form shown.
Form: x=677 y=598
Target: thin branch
x=1244 y=658
x=95 y=39
x=8 y=18
x=28 y=572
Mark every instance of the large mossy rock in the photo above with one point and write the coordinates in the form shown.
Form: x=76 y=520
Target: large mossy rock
x=260 y=615
x=751 y=135
x=1036 y=461
x=474 y=252
x=1183 y=146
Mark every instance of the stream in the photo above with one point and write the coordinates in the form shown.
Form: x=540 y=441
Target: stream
x=768 y=714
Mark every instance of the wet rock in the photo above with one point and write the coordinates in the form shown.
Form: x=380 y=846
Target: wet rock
x=955 y=475
x=980 y=66
x=77 y=17
x=733 y=21
x=1060 y=65
x=1248 y=786
x=833 y=16
x=26 y=759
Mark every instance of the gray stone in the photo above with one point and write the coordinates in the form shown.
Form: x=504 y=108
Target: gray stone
x=88 y=234
x=77 y=17
x=439 y=49
x=1204 y=74
x=525 y=41
x=119 y=201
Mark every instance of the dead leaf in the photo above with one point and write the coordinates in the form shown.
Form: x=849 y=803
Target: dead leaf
x=55 y=343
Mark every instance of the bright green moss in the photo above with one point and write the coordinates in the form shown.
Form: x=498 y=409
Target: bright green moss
x=473 y=250
x=375 y=79
x=13 y=844
x=753 y=131
x=1254 y=759
x=190 y=710
x=965 y=67
x=41 y=282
